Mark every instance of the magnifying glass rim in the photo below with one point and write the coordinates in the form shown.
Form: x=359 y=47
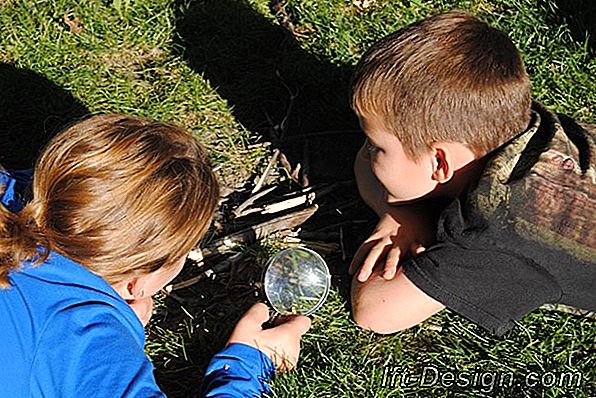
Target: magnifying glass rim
x=327 y=279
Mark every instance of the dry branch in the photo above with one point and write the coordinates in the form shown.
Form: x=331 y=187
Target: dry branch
x=263 y=177
x=259 y=231
x=306 y=196
x=248 y=235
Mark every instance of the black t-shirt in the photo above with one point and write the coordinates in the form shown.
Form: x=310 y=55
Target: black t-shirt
x=524 y=236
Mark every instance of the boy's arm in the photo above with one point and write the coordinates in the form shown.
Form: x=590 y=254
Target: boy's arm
x=401 y=230
x=483 y=282
x=385 y=300
x=387 y=306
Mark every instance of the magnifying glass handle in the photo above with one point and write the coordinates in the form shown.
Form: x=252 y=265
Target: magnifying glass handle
x=271 y=322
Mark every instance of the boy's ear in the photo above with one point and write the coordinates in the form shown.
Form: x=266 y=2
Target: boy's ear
x=442 y=163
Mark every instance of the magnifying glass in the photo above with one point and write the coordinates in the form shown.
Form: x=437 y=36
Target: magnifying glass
x=296 y=282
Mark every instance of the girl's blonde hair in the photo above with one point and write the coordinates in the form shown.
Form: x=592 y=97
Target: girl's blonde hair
x=119 y=195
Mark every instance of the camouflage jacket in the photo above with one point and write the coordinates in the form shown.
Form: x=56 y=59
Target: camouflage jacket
x=524 y=236
x=543 y=185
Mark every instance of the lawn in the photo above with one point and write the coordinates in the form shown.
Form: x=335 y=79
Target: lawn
x=247 y=77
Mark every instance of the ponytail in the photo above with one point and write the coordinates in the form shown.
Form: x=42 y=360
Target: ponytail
x=119 y=195
x=20 y=240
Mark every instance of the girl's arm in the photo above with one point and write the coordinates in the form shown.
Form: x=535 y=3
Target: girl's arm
x=247 y=364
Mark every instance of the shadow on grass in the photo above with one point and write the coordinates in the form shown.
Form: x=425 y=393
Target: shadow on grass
x=579 y=15
x=193 y=324
x=299 y=103
x=32 y=110
x=275 y=88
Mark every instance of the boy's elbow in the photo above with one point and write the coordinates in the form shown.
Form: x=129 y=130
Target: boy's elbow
x=378 y=327
x=387 y=307
x=378 y=322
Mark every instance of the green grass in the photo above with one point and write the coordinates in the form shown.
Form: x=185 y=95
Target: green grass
x=123 y=61
x=341 y=360
x=227 y=70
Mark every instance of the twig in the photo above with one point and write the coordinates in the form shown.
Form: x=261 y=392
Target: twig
x=289 y=203
x=238 y=212
x=256 y=232
x=189 y=282
x=324 y=247
x=341 y=244
x=283 y=125
x=265 y=144
x=305 y=165
x=307 y=196
x=318 y=235
x=266 y=172
x=295 y=173
x=207 y=274
x=196 y=256
x=285 y=163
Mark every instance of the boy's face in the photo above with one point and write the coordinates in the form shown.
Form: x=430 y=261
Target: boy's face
x=402 y=178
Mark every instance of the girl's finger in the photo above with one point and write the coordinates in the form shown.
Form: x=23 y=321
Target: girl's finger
x=295 y=325
x=255 y=316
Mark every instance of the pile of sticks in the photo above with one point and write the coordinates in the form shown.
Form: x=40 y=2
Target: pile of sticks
x=276 y=210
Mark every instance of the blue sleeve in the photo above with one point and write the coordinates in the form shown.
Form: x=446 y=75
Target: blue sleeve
x=238 y=371
x=87 y=351
x=14 y=185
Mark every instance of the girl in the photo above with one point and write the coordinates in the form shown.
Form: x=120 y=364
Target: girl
x=117 y=203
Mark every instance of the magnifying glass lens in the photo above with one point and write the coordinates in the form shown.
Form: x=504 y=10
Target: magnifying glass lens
x=297 y=281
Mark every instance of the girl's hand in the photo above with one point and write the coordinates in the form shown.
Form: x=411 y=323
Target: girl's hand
x=143 y=307
x=280 y=343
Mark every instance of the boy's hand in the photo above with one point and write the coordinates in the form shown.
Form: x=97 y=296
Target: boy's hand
x=280 y=343
x=143 y=308
x=391 y=241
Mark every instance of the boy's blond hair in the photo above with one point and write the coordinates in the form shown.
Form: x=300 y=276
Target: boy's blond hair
x=450 y=77
x=120 y=195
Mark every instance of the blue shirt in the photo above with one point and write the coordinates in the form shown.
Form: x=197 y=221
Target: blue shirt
x=13 y=188
x=238 y=371
x=65 y=332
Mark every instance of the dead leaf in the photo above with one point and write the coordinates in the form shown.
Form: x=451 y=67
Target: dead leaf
x=73 y=22
x=363 y=4
x=296 y=172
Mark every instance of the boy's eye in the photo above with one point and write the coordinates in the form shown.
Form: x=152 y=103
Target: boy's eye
x=371 y=148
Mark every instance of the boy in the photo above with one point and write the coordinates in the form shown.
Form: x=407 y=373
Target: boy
x=446 y=107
